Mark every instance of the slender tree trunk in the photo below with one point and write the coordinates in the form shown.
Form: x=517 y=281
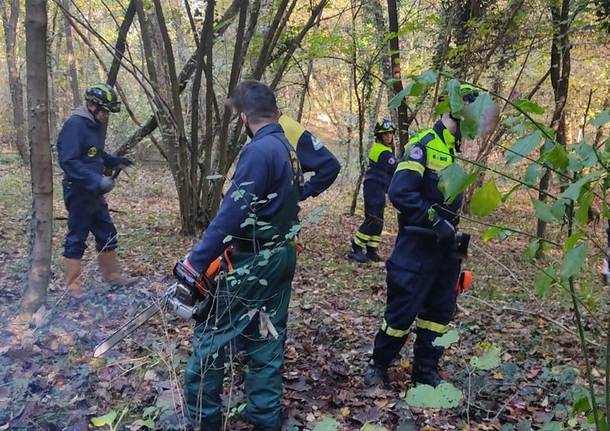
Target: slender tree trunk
x=560 y=78
x=121 y=44
x=403 y=113
x=10 y=19
x=41 y=167
x=72 y=71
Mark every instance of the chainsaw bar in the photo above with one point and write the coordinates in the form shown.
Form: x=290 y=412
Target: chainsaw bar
x=127 y=329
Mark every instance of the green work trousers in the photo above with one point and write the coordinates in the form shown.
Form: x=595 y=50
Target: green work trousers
x=258 y=282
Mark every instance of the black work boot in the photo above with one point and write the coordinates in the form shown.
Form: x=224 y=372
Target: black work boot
x=372 y=255
x=375 y=375
x=426 y=375
x=357 y=254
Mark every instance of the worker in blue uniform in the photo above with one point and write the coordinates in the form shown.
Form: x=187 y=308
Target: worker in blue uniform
x=313 y=157
x=258 y=219
x=382 y=164
x=80 y=147
x=424 y=267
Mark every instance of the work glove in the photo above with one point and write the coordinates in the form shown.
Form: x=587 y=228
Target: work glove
x=106 y=184
x=124 y=162
x=444 y=230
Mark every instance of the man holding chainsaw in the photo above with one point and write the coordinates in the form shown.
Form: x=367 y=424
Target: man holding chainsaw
x=80 y=147
x=425 y=264
x=258 y=219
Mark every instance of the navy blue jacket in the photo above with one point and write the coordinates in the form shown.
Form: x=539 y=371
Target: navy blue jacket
x=80 y=147
x=382 y=165
x=264 y=168
x=414 y=188
x=313 y=157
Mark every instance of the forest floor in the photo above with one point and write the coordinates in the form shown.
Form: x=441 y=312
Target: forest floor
x=50 y=381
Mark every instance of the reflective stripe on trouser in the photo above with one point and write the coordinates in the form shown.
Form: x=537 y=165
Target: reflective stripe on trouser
x=369 y=232
x=421 y=290
x=263 y=383
x=87 y=213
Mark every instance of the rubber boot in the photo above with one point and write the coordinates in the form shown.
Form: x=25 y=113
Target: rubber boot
x=426 y=375
x=372 y=255
x=111 y=270
x=357 y=254
x=72 y=275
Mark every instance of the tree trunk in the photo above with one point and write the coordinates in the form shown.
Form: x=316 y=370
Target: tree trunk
x=560 y=78
x=10 y=20
x=72 y=73
x=41 y=167
x=403 y=113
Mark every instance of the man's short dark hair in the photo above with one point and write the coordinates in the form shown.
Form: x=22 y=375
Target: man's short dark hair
x=254 y=99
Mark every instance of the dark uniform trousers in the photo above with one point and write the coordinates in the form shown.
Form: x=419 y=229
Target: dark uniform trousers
x=87 y=212
x=369 y=232
x=421 y=276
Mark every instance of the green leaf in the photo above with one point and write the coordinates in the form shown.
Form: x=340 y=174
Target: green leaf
x=544 y=280
x=533 y=173
x=494 y=232
x=559 y=207
x=476 y=116
x=573 y=191
x=447 y=339
x=397 y=99
x=543 y=212
x=454 y=180
x=444 y=396
x=107 y=419
x=532 y=248
x=372 y=427
x=327 y=424
x=601 y=118
x=557 y=157
x=581 y=401
x=524 y=145
x=584 y=205
x=456 y=103
x=572 y=240
x=488 y=360
x=527 y=105
x=573 y=260
x=486 y=199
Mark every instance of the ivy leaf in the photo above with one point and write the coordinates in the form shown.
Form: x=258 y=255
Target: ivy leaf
x=444 y=396
x=601 y=118
x=107 y=419
x=543 y=212
x=327 y=424
x=486 y=199
x=454 y=180
x=488 y=360
x=524 y=145
x=447 y=339
x=573 y=260
x=528 y=106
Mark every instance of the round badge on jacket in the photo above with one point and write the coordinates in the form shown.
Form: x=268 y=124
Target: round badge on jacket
x=416 y=153
x=92 y=151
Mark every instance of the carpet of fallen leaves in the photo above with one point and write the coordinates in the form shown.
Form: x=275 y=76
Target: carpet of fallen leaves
x=50 y=381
